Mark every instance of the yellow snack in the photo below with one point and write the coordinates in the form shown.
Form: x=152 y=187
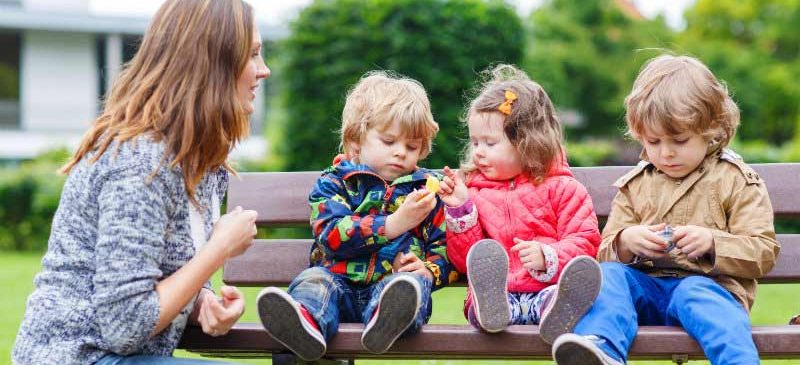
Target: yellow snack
x=432 y=184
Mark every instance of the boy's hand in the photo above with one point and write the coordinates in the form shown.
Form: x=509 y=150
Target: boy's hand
x=694 y=241
x=530 y=253
x=641 y=241
x=411 y=213
x=453 y=190
x=409 y=262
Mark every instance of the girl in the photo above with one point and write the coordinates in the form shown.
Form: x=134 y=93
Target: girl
x=521 y=221
x=133 y=243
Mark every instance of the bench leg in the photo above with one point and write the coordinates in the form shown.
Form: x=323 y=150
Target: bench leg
x=291 y=359
x=680 y=359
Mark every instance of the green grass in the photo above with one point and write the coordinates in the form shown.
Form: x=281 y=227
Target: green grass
x=775 y=304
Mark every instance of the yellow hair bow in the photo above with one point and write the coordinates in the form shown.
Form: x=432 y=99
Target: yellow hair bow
x=505 y=108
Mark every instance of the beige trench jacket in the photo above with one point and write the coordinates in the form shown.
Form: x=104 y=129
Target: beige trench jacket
x=723 y=194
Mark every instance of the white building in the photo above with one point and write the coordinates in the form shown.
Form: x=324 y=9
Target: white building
x=57 y=59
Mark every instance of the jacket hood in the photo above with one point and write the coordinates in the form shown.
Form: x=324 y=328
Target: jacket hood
x=344 y=168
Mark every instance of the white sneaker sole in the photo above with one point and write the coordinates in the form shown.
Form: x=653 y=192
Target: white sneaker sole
x=397 y=309
x=487 y=274
x=281 y=317
x=578 y=287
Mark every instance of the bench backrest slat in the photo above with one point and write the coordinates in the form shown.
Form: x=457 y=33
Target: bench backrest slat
x=281 y=198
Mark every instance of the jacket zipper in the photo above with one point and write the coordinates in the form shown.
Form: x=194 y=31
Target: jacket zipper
x=374 y=256
x=511 y=187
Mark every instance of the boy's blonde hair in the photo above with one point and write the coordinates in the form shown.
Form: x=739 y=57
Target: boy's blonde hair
x=677 y=94
x=532 y=125
x=379 y=99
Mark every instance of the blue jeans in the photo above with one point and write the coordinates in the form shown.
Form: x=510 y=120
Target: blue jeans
x=709 y=313
x=330 y=299
x=114 y=359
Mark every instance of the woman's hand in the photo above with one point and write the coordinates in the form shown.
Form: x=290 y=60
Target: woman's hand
x=234 y=232
x=216 y=316
x=453 y=191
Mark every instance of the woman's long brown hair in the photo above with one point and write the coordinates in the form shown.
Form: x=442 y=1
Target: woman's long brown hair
x=180 y=88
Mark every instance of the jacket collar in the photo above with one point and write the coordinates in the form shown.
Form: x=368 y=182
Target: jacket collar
x=479 y=180
x=345 y=168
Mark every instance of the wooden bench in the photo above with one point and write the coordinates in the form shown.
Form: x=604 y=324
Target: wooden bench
x=281 y=201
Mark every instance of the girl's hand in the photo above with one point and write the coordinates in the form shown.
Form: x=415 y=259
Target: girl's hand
x=234 y=232
x=641 y=241
x=409 y=262
x=530 y=254
x=411 y=213
x=216 y=316
x=694 y=241
x=453 y=191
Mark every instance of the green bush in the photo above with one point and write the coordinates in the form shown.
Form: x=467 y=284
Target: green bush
x=593 y=152
x=29 y=196
x=441 y=43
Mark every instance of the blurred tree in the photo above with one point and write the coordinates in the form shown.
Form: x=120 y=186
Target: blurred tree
x=754 y=46
x=586 y=55
x=441 y=43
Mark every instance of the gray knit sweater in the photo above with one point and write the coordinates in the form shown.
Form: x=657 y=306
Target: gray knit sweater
x=118 y=230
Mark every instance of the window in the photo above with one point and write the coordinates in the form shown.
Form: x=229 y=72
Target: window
x=10 y=43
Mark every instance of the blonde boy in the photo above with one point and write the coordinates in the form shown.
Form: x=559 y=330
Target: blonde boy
x=379 y=247
x=690 y=230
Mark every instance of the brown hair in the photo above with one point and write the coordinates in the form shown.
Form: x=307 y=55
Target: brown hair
x=532 y=125
x=180 y=88
x=381 y=97
x=678 y=94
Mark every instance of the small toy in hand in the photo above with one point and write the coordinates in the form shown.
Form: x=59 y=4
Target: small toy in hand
x=432 y=184
x=431 y=187
x=666 y=235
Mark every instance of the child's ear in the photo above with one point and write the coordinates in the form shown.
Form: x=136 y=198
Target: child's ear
x=353 y=150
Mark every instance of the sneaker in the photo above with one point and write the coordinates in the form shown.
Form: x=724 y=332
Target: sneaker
x=795 y=320
x=397 y=309
x=577 y=289
x=572 y=349
x=284 y=321
x=487 y=270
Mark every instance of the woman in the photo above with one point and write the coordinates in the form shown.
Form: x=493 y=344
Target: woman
x=133 y=242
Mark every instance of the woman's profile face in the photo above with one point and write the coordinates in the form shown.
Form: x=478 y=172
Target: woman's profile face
x=254 y=70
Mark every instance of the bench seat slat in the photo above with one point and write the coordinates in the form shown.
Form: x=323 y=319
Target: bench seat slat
x=277 y=262
x=462 y=341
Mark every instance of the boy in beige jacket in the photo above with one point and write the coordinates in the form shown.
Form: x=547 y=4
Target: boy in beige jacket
x=690 y=230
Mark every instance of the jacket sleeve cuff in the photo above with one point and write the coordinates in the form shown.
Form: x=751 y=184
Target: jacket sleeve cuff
x=434 y=269
x=551 y=265
x=461 y=218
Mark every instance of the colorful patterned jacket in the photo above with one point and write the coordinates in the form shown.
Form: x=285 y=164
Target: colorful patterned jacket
x=349 y=207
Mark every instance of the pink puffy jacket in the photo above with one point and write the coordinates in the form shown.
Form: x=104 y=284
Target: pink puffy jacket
x=557 y=213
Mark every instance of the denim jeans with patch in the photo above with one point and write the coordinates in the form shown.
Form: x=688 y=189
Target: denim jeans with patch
x=331 y=299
